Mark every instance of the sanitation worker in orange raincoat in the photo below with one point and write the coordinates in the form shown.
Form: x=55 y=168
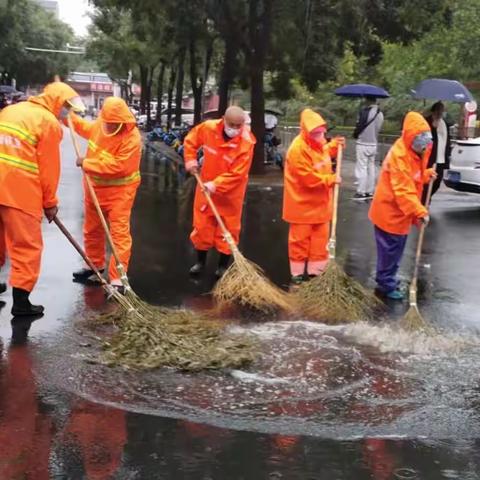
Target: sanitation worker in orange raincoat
x=397 y=204
x=307 y=197
x=228 y=152
x=30 y=135
x=112 y=162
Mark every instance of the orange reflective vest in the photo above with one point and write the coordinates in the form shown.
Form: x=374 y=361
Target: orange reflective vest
x=226 y=163
x=307 y=195
x=397 y=202
x=111 y=160
x=30 y=135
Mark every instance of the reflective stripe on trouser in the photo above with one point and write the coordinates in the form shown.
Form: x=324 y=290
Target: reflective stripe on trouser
x=307 y=244
x=116 y=204
x=207 y=234
x=390 y=248
x=22 y=242
x=365 y=168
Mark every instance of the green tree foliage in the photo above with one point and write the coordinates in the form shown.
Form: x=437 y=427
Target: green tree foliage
x=449 y=50
x=25 y=24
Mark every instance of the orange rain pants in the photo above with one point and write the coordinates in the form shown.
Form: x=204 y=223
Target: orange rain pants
x=116 y=203
x=307 y=243
x=207 y=234
x=21 y=239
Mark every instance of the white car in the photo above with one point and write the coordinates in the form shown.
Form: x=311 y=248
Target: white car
x=464 y=172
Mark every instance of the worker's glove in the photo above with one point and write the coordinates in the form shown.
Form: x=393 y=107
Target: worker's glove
x=340 y=141
x=425 y=220
x=50 y=213
x=210 y=187
x=431 y=173
x=334 y=179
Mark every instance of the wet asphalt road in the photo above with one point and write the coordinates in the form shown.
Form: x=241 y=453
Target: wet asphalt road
x=367 y=402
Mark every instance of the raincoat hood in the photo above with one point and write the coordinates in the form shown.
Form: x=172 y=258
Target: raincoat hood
x=310 y=120
x=413 y=124
x=115 y=110
x=54 y=97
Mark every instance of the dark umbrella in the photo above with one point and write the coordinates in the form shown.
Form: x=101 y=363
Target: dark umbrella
x=7 y=89
x=274 y=111
x=361 y=90
x=441 y=89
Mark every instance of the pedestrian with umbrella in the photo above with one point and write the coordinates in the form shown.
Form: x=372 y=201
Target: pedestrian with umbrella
x=369 y=123
x=441 y=90
x=441 y=148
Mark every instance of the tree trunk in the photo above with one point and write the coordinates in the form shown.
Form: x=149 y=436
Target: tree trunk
x=180 y=80
x=257 y=114
x=160 y=80
x=143 y=86
x=206 y=71
x=171 y=85
x=259 y=36
x=148 y=95
x=194 y=81
x=227 y=75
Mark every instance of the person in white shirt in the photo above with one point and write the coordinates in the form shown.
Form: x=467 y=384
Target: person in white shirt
x=441 y=148
x=369 y=124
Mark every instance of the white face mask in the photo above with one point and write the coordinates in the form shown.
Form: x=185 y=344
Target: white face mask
x=232 y=132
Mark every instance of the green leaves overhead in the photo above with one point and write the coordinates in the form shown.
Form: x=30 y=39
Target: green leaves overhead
x=25 y=24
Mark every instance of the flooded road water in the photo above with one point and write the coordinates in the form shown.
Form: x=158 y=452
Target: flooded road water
x=364 y=401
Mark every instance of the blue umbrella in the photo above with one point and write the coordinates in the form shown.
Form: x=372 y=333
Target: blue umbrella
x=361 y=90
x=441 y=89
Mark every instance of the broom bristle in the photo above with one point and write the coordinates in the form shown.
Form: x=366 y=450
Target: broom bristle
x=413 y=321
x=334 y=297
x=245 y=285
x=174 y=338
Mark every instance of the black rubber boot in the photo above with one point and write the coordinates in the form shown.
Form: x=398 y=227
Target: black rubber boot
x=22 y=306
x=86 y=275
x=3 y=287
x=199 y=267
x=223 y=262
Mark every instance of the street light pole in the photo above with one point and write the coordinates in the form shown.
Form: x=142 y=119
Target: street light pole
x=48 y=50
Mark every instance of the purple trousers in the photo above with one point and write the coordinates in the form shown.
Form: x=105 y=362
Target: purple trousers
x=390 y=248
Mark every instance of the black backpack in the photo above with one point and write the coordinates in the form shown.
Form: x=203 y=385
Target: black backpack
x=362 y=122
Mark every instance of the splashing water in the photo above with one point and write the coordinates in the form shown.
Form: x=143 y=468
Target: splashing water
x=335 y=381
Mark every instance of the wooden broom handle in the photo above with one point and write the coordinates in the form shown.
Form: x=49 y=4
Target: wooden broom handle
x=94 y=198
x=226 y=233
x=79 y=249
x=421 y=235
x=336 y=195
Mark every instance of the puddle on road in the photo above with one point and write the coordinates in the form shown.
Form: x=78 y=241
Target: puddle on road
x=341 y=382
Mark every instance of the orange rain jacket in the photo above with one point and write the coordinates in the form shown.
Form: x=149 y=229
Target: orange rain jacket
x=226 y=163
x=397 y=205
x=111 y=161
x=30 y=134
x=309 y=178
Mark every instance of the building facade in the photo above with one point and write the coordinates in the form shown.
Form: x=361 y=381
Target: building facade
x=93 y=88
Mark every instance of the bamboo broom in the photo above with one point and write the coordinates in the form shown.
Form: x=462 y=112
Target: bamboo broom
x=244 y=283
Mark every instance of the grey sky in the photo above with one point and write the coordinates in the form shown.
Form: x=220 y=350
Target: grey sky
x=74 y=13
